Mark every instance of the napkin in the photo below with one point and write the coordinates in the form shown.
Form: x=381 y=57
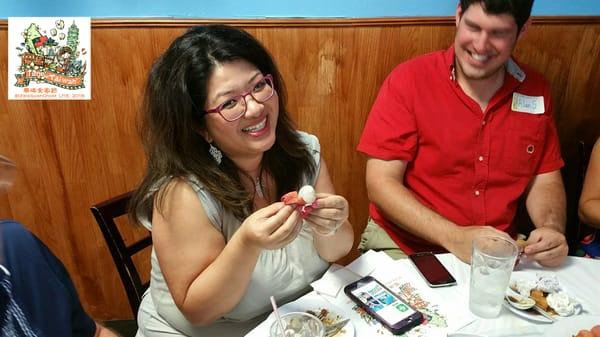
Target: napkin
x=337 y=277
x=334 y=280
x=370 y=261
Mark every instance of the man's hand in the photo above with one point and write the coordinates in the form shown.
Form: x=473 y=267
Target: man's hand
x=462 y=240
x=547 y=246
x=546 y=204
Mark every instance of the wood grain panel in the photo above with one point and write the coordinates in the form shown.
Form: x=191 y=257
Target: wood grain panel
x=72 y=154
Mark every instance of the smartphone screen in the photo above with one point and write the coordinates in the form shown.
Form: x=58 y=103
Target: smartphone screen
x=383 y=304
x=432 y=270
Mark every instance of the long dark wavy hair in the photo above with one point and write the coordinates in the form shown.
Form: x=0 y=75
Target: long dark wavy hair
x=172 y=117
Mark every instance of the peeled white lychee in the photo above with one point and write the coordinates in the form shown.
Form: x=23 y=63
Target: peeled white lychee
x=308 y=194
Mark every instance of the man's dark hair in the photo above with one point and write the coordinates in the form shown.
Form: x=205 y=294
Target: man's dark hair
x=519 y=9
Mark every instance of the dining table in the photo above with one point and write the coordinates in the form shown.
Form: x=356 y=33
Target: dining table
x=446 y=309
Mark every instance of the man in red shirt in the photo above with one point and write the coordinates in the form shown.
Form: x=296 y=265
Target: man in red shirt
x=456 y=137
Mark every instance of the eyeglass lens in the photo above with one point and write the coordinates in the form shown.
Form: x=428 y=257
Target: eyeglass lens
x=236 y=107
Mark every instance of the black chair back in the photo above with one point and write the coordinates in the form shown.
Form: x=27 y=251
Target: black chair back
x=122 y=253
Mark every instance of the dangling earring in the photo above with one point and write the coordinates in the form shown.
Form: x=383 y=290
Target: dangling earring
x=215 y=153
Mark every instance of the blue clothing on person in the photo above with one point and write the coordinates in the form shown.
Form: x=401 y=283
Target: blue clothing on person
x=590 y=245
x=39 y=287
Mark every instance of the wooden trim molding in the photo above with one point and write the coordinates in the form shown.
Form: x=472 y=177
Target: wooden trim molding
x=311 y=22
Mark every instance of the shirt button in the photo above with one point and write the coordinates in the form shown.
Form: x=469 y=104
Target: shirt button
x=477 y=192
x=483 y=123
x=480 y=158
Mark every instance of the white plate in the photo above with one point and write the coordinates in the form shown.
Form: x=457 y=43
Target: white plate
x=570 y=326
x=332 y=318
x=532 y=314
x=315 y=303
x=527 y=314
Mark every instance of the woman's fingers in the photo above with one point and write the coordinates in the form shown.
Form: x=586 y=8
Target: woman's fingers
x=325 y=200
x=288 y=230
x=324 y=226
x=271 y=221
x=324 y=214
x=280 y=224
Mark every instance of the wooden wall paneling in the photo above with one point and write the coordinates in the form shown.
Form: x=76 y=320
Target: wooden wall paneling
x=121 y=60
x=72 y=154
x=568 y=57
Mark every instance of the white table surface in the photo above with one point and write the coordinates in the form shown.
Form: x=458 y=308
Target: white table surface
x=579 y=276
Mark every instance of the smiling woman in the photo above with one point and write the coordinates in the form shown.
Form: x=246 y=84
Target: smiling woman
x=221 y=151
x=240 y=138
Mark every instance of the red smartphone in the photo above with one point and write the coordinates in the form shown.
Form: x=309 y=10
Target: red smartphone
x=383 y=305
x=432 y=270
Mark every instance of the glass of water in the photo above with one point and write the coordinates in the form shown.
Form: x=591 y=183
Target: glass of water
x=492 y=261
x=298 y=324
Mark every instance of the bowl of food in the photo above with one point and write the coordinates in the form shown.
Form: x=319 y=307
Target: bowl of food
x=297 y=324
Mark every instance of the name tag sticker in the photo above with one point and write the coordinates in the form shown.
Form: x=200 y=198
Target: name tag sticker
x=528 y=104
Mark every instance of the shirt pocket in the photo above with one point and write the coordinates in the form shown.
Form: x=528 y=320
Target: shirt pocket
x=523 y=144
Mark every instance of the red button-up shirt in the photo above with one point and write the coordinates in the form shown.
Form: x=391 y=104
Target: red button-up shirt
x=468 y=165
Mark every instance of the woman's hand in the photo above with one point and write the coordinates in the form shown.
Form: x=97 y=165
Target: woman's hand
x=272 y=227
x=328 y=213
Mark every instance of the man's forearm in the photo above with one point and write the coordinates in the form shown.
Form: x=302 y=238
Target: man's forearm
x=403 y=209
x=546 y=201
x=388 y=193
